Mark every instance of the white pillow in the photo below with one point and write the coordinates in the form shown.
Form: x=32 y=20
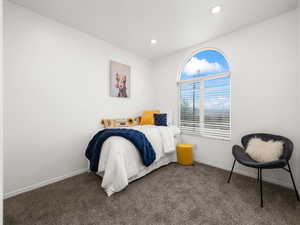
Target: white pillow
x=262 y=151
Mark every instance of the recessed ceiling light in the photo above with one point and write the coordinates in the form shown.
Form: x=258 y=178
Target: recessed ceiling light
x=153 y=41
x=216 y=9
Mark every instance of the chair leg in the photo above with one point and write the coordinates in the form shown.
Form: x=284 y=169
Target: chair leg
x=261 y=190
x=295 y=188
x=258 y=175
x=229 y=178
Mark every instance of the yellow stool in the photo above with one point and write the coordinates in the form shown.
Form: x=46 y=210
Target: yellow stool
x=184 y=154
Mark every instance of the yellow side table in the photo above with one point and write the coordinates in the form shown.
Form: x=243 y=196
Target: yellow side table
x=184 y=154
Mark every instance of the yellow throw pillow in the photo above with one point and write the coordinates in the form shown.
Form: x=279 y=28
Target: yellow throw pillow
x=148 y=118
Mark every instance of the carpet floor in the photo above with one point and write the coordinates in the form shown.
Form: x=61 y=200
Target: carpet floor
x=172 y=195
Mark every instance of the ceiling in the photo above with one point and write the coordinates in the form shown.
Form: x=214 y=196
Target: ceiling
x=176 y=24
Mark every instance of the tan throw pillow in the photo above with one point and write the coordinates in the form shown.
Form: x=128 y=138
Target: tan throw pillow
x=114 y=123
x=264 y=151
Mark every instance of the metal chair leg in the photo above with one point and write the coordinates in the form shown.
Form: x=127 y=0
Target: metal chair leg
x=295 y=188
x=258 y=175
x=228 y=181
x=261 y=190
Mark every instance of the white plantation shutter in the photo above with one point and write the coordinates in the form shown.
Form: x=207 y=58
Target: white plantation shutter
x=205 y=106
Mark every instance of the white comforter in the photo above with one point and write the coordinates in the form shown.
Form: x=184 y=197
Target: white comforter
x=120 y=160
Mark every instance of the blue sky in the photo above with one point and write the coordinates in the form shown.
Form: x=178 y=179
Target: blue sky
x=204 y=63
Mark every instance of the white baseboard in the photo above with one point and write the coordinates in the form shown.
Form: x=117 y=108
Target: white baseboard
x=248 y=173
x=44 y=183
x=79 y=171
x=268 y=179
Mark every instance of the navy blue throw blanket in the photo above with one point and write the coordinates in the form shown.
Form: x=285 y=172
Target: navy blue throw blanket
x=137 y=138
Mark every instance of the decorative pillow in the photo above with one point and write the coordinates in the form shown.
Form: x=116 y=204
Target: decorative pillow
x=160 y=119
x=148 y=118
x=262 y=151
x=169 y=117
x=108 y=123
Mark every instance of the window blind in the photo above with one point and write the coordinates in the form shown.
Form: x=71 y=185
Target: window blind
x=205 y=107
x=217 y=108
x=190 y=107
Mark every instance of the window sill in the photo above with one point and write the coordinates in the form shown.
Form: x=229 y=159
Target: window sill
x=205 y=136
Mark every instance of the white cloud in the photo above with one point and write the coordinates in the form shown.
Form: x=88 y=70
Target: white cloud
x=196 y=65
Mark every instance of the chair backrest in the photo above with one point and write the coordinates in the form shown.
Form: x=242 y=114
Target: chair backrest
x=288 y=145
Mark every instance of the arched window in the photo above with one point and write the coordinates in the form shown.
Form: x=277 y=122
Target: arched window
x=204 y=88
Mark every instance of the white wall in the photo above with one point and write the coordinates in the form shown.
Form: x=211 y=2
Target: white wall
x=1 y=113
x=56 y=92
x=298 y=102
x=263 y=60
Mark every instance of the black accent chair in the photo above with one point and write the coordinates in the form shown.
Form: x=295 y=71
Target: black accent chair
x=243 y=158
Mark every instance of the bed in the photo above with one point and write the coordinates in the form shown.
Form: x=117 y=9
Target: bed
x=120 y=163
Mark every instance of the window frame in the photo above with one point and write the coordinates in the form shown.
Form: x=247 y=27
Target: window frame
x=202 y=80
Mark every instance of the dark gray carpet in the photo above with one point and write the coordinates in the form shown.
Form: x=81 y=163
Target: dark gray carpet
x=175 y=195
